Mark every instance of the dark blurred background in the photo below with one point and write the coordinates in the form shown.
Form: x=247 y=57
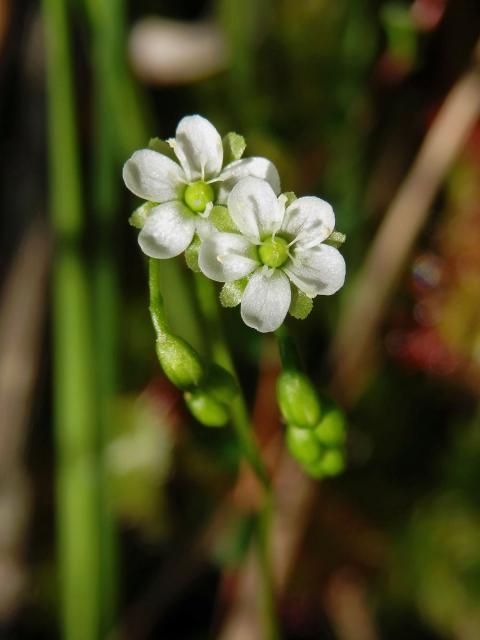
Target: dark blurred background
x=372 y=105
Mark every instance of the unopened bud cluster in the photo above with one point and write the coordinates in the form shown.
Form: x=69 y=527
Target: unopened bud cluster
x=208 y=391
x=315 y=432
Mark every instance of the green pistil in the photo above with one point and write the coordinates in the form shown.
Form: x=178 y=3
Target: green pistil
x=273 y=252
x=197 y=195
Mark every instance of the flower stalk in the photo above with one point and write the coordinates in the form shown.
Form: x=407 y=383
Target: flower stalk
x=208 y=302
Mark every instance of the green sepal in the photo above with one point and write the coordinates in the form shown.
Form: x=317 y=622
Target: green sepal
x=330 y=431
x=232 y=292
x=290 y=197
x=234 y=146
x=140 y=215
x=191 y=254
x=330 y=463
x=157 y=144
x=336 y=239
x=298 y=400
x=303 y=445
x=301 y=305
x=206 y=409
x=180 y=362
x=221 y=219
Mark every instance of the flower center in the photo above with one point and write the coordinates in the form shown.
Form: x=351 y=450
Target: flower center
x=197 y=195
x=273 y=252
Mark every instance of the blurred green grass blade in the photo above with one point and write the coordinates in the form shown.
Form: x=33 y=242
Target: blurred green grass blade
x=106 y=45
x=127 y=114
x=242 y=22
x=74 y=394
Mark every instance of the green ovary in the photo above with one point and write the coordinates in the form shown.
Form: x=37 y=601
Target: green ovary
x=273 y=252
x=197 y=195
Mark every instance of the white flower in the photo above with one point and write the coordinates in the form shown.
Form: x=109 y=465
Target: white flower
x=185 y=191
x=274 y=245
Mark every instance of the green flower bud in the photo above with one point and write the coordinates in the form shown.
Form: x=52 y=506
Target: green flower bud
x=180 y=362
x=331 y=463
x=331 y=429
x=197 y=195
x=303 y=445
x=298 y=399
x=206 y=409
x=273 y=252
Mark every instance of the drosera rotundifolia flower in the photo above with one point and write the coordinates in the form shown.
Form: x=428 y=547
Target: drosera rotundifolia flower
x=278 y=245
x=274 y=253
x=182 y=181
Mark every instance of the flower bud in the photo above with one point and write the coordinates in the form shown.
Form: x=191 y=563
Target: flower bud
x=298 y=399
x=331 y=429
x=330 y=463
x=303 y=445
x=180 y=363
x=206 y=409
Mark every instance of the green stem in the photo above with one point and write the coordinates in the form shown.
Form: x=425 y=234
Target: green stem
x=207 y=298
x=208 y=301
x=157 y=306
x=268 y=605
x=289 y=356
x=74 y=393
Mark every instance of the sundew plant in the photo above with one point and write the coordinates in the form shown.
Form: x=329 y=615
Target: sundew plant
x=274 y=252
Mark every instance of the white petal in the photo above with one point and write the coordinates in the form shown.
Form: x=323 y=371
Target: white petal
x=152 y=176
x=317 y=271
x=254 y=167
x=254 y=208
x=266 y=300
x=225 y=257
x=168 y=230
x=204 y=228
x=198 y=146
x=308 y=220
